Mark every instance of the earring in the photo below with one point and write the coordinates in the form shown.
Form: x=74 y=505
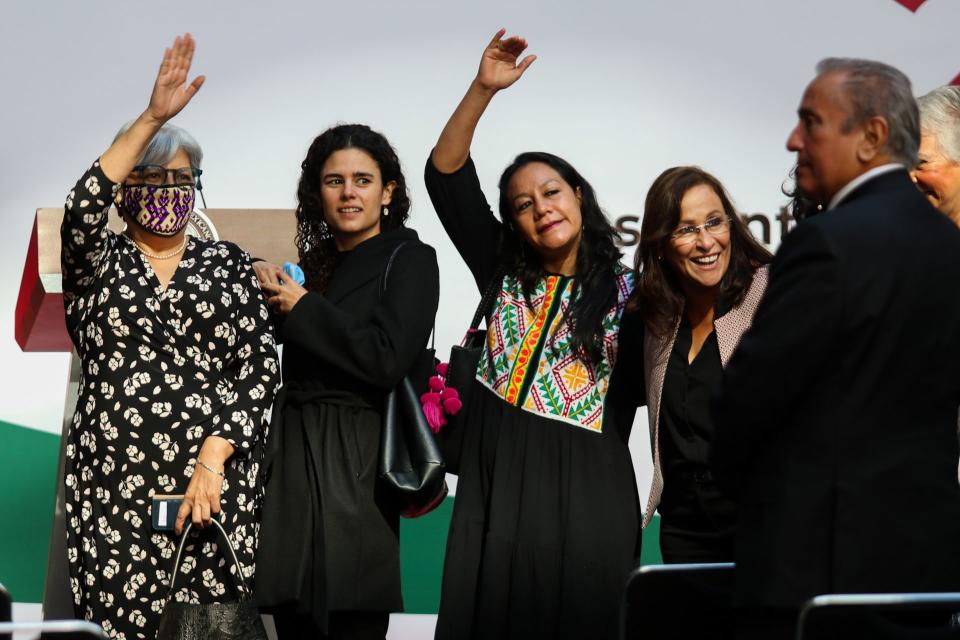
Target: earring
x=386 y=211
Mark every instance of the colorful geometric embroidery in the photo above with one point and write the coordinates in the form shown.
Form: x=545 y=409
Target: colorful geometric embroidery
x=532 y=342
x=528 y=360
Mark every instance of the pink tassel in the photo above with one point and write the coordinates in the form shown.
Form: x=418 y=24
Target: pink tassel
x=449 y=392
x=452 y=406
x=434 y=415
x=430 y=398
x=441 y=400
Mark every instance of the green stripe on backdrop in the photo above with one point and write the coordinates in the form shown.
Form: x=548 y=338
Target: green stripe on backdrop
x=28 y=468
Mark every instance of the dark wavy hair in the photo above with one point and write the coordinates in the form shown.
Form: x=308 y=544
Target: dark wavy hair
x=595 y=286
x=801 y=205
x=658 y=296
x=314 y=240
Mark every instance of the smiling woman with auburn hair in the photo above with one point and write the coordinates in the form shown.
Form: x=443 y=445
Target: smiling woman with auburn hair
x=701 y=275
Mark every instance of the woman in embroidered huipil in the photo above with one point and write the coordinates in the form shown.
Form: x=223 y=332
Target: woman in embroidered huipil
x=178 y=371
x=701 y=277
x=546 y=520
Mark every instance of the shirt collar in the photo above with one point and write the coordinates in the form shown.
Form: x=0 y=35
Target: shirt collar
x=849 y=188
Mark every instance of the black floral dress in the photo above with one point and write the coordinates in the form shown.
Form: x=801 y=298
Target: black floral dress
x=161 y=371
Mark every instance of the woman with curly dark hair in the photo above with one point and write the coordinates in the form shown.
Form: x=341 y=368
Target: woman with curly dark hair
x=329 y=550
x=546 y=522
x=701 y=275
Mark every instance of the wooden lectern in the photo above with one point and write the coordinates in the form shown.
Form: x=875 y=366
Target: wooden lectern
x=265 y=233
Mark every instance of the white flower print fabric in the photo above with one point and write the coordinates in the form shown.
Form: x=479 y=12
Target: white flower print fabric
x=161 y=371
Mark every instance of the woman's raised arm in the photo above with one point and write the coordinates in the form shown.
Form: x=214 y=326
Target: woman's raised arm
x=84 y=229
x=498 y=70
x=171 y=93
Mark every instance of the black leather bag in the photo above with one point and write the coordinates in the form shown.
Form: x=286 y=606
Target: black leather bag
x=238 y=620
x=462 y=369
x=410 y=460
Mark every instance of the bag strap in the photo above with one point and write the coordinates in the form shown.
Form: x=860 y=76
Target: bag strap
x=383 y=289
x=183 y=542
x=386 y=269
x=485 y=306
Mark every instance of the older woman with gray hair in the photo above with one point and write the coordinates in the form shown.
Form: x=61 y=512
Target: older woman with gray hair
x=938 y=169
x=178 y=371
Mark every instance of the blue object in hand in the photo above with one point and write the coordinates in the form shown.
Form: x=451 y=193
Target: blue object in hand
x=294 y=272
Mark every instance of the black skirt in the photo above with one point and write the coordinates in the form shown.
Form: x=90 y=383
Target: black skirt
x=329 y=539
x=545 y=529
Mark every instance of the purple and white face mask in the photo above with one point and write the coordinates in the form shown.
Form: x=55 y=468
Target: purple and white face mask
x=163 y=211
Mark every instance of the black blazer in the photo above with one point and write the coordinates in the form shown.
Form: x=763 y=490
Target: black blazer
x=350 y=338
x=838 y=418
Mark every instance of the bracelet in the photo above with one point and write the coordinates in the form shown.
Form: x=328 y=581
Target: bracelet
x=210 y=469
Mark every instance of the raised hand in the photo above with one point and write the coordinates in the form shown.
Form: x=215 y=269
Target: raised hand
x=498 y=70
x=171 y=93
x=499 y=67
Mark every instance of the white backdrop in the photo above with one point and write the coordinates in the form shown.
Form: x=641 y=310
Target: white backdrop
x=623 y=89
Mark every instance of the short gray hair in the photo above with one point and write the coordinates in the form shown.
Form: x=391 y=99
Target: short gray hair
x=877 y=89
x=940 y=117
x=165 y=144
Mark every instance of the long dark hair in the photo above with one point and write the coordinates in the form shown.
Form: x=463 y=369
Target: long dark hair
x=595 y=286
x=314 y=240
x=658 y=296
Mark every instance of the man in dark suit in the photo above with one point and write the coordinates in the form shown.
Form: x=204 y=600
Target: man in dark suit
x=837 y=424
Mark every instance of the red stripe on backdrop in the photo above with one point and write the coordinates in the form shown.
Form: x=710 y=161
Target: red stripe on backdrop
x=913 y=5
x=956 y=81
x=28 y=300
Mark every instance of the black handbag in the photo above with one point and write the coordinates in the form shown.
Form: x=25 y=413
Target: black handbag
x=462 y=369
x=410 y=462
x=237 y=620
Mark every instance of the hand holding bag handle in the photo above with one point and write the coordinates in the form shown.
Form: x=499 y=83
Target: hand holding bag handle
x=410 y=461
x=238 y=620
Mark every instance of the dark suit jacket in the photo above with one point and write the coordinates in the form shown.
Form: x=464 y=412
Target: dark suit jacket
x=838 y=418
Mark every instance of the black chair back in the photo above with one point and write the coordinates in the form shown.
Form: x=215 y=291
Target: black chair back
x=679 y=601
x=6 y=605
x=881 y=616
x=53 y=630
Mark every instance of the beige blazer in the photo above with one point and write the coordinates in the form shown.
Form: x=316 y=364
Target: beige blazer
x=656 y=354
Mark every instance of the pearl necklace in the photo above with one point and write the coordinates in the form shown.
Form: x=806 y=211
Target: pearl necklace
x=161 y=256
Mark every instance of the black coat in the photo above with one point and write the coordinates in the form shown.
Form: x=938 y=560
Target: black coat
x=329 y=539
x=838 y=420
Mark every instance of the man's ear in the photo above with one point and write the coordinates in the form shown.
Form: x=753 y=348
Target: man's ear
x=876 y=132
